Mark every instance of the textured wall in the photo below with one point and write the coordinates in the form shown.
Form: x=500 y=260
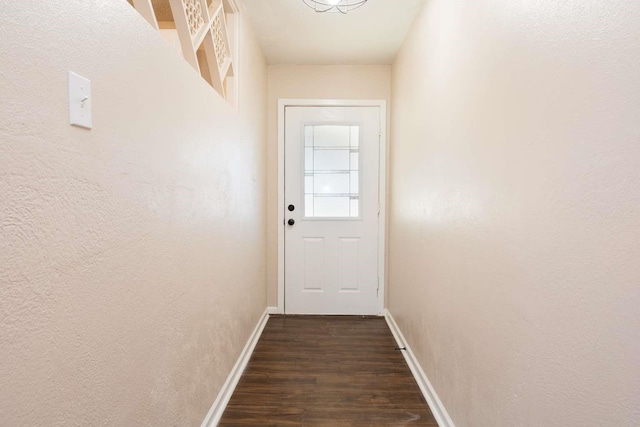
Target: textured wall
x=310 y=82
x=132 y=256
x=515 y=218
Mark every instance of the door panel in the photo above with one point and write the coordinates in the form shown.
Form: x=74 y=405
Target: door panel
x=313 y=263
x=349 y=250
x=331 y=179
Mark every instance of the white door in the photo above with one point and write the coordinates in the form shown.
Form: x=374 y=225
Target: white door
x=331 y=210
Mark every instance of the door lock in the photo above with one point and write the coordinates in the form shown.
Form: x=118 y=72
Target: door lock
x=291 y=221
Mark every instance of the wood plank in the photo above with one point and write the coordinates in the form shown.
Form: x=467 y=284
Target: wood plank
x=327 y=371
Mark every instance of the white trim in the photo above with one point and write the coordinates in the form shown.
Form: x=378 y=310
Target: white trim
x=382 y=208
x=217 y=409
x=435 y=404
x=281 y=116
x=382 y=183
x=272 y=310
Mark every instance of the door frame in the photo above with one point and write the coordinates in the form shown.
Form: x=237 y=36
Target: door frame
x=382 y=186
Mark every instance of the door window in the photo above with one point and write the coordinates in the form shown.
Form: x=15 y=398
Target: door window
x=331 y=171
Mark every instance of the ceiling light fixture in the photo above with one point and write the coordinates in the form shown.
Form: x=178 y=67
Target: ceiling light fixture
x=342 y=6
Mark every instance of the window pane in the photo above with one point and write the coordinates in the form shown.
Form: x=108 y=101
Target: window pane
x=308 y=206
x=331 y=136
x=355 y=208
x=328 y=207
x=331 y=177
x=355 y=185
x=331 y=160
x=308 y=184
x=334 y=183
x=308 y=159
x=354 y=161
x=355 y=136
x=308 y=136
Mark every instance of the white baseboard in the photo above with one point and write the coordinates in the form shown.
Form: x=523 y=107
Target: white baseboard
x=217 y=409
x=273 y=310
x=437 y=408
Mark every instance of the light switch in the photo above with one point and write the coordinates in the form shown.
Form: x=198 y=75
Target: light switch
x=79 y=101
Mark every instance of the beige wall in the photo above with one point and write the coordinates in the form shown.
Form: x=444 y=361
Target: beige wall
x=132 y=256
x=310 y=82
x=515 y=209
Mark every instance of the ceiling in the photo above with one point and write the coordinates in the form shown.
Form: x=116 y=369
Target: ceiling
x=292 y=33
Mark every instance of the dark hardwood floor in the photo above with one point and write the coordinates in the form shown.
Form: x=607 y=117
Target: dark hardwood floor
x=327 y=371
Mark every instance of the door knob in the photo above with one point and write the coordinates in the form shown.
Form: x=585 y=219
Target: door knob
x=291 y=208
x=291 y=222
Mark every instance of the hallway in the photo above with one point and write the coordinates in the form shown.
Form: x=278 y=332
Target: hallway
x=327 y=371
x=177 y=174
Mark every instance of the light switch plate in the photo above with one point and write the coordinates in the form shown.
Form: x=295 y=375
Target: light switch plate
x=80 y=101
